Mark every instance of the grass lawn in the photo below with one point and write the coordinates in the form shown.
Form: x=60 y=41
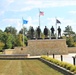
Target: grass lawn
x=1 y=52
x=25 y=67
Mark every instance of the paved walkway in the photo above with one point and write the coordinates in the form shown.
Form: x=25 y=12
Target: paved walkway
x=66 y=58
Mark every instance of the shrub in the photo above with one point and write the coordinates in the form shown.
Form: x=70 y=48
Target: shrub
x=1 y=46
x=66 y=65
x=73 y=68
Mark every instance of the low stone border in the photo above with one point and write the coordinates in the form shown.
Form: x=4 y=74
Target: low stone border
x=19 y=59
x=56 y=67
x=3 y=56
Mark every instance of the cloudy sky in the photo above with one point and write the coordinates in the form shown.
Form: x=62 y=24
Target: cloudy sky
x=12 y=11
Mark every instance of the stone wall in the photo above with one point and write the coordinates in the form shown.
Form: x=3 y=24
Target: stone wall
x=54 y=46
x=42 y=47
x=71 y=49
x=20 y=50
x=8 y=51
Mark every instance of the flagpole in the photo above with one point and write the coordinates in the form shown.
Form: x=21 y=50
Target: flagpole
x=56 y=28
x=23 y=35
x=23 y=32
x=39 y=17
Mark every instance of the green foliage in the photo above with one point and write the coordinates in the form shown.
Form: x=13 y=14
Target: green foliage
x=9 y=41
x=25 y=40
x=74 y=44
x=68 y=31
x=70 y=36
x=11 y=30
x=42 y=35
x=19 y=40
x=73 y=68
x=25 y=31
x=1 y=46
x=70 y=42
x=29 y=33
x=66 y=65
x=8 y=45
x=74 y=37
x=9 y=38
x=1 y=35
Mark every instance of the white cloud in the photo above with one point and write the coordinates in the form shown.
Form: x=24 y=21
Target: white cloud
x=4 y=5
x=53 y=20
x=34 y=2
x=72 y=12
x=2 y=12
x=62 y=20
x=13 y=22
x=25 y=5
x=10 y=1
x=31 y=22
x=51 y=3
x=17 y=23
x=69 y=22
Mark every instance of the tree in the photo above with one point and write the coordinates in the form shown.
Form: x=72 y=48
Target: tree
x=8 y=39
x=25 y=41
x=1 y=45
x=1 y=31
x=29 y=33
x=74 y=37
x=68 y=31
x=70 y=42
x=25 y=31
x=4 y=38
x=11 y=30
x=19 y=40
x=1 y=35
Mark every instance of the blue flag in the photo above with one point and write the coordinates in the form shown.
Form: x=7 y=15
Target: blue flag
x=25 y=21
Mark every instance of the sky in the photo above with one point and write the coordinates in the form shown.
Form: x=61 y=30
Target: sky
x=12 y=12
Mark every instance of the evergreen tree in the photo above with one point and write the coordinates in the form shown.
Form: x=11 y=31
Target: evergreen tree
x=68 y=31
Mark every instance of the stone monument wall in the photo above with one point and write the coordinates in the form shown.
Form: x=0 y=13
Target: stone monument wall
x=54 y=46
x=71 y=49
x=43 y=47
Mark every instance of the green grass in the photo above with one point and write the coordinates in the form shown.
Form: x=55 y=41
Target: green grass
x=26 y=67
x=1 y=52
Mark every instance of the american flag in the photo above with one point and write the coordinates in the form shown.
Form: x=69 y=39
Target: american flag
x=41 y=13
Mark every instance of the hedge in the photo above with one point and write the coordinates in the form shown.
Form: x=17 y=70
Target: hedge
x=66 y=65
